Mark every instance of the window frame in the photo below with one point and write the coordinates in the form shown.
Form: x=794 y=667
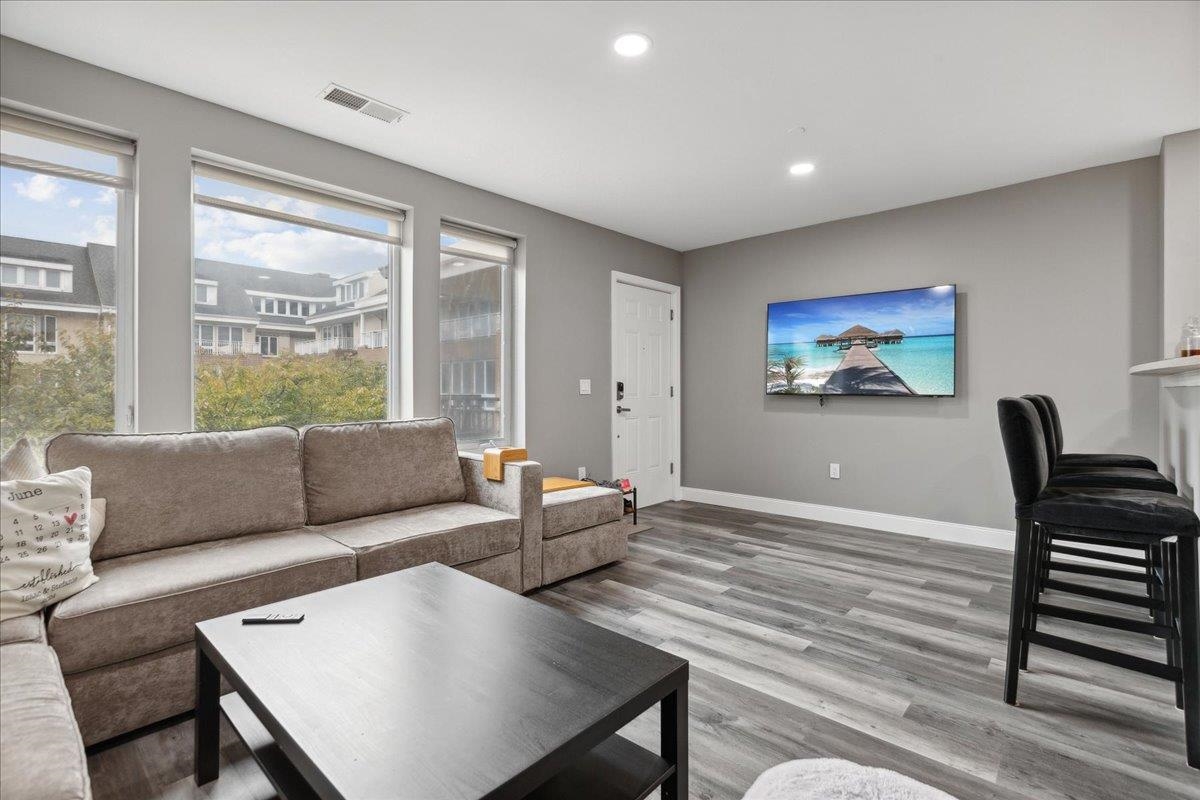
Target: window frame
x=125 y=186
x=505 y=373
x=205 y=164
x=210 y=292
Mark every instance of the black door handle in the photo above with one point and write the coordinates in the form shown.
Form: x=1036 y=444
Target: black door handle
x=620 y=409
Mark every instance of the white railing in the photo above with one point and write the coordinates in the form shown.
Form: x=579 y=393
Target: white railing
x=479 y=326
x=226 y=348
x=317 y=347
x=374 y=339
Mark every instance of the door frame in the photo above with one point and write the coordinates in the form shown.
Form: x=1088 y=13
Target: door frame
x=676 y=427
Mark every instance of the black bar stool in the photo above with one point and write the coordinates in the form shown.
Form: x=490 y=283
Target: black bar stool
x=1124 y=517
x=1092 y=475
x=1090 y=459
x=1147 y=559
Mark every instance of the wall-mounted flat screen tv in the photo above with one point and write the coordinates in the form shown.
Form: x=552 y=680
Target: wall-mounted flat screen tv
x=896 y=344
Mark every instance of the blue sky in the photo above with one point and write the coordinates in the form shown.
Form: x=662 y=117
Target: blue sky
x=917 y=312
x=246 y=239
x=57 y=209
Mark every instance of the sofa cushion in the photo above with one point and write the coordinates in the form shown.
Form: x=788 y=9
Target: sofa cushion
x=151 y=601
x=367 y=468
x=450 y=533
x=576 y=509
x=42 y=756
x=26 y=628
x=174 y=489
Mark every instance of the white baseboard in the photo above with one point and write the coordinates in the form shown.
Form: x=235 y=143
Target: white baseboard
x=961 y=533
x=996 y=538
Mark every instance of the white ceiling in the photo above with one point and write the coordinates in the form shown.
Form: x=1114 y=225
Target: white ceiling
x=688 y=146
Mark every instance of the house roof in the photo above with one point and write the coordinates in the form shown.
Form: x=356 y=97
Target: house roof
x=94 y=279
x=93 y=271
x=826 y=337
x=234 y=280
x=857 y=330
x=893 y=332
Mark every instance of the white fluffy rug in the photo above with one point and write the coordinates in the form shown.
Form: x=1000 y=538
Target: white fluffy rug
x=834 y=779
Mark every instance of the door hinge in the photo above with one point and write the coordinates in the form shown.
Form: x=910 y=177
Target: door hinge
x=672 y=391
x=672 y=467
x=672 y=315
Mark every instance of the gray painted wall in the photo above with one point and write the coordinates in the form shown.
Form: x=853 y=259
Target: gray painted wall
x=1059 y=293
x=567 y=261
x=1180 y=156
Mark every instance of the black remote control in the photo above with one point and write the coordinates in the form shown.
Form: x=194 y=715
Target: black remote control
x=274 y=618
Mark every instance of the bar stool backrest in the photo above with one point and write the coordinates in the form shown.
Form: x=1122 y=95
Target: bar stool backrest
x=1024 y=447
x=1047 y=419
x=1056 y=422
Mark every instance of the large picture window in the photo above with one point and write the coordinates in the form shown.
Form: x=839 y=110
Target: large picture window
x=474 y=308
x=290 y=315
x=66 y=271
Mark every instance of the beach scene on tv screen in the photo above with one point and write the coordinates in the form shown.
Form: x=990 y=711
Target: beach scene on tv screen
x=887 y=343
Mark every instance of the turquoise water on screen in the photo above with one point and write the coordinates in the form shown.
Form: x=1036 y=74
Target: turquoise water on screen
x=925 y=363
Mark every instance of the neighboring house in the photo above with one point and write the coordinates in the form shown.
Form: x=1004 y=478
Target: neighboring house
x=356 y=318
x=50 y=291
x=245 y=310
x=472 y=339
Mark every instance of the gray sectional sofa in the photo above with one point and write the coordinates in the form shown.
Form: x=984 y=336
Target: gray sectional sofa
x=42 y=755
x=204 y=524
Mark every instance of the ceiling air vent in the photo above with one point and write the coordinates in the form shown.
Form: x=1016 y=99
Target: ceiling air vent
x=340 y=95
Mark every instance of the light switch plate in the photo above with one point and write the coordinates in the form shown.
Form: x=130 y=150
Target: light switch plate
x=835 y=470
x=585 y=385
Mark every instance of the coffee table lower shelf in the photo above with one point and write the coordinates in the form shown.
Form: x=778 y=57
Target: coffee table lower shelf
x=616 y=768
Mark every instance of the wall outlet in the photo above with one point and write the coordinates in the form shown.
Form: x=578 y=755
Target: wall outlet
x=585 y=385
x=835 y=470
x=582 y=473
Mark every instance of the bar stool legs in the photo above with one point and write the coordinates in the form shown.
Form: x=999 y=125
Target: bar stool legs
x=1185 y=582
x=1022 y=574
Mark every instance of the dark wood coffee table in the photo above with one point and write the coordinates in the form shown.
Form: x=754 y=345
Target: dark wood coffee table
x=429 y=683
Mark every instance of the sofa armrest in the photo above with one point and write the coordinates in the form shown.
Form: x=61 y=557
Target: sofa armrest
x=519 y=494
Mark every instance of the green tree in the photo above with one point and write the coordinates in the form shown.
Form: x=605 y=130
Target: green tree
x=70 y=391
x=788 y=370
x=289 y=390
x=73 y=390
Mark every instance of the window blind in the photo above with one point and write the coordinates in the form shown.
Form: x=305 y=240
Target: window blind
x=15 y=151
x=393 y=216
x=474 y=243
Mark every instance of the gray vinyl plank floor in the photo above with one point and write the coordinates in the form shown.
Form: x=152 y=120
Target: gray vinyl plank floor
x=811 y=640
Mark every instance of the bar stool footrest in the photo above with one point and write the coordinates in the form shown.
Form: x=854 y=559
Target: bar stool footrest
x=1104 y=620
x=1104 y=594
x=1103 y=654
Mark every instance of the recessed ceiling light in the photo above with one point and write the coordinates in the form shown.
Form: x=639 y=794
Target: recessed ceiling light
x=460 y=263
x=801 y=169
x=631 y=45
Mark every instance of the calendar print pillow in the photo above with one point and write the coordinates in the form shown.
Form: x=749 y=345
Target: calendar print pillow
x=45 y=540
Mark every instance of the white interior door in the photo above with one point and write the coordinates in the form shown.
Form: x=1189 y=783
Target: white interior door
x=641 y=393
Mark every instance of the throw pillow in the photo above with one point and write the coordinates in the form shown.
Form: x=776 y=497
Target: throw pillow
x=20 y=463
x=45 y=540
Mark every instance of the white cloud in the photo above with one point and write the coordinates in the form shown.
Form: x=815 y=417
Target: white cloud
x=246 y=239
x=39 y=188
x=105 y=197
x=103 y=230
x=298 y=250
x=75 y=202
